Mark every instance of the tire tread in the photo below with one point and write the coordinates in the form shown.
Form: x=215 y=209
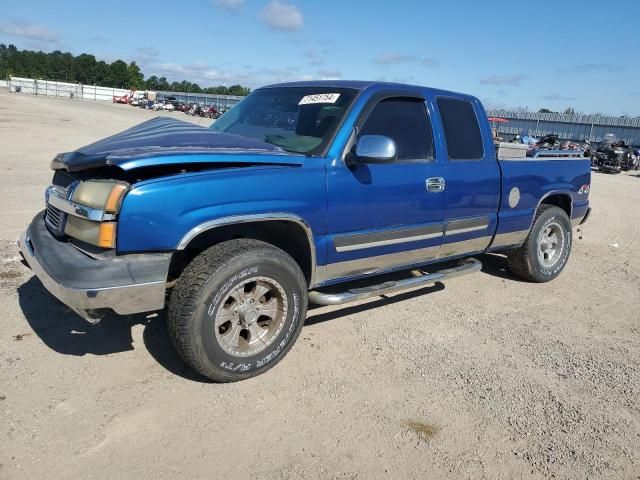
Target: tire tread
x=519 y=259
x=183 y=302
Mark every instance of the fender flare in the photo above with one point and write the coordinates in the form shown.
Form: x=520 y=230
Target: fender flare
x=260 y=217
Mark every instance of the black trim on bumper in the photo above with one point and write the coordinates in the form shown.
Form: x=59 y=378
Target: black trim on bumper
x=586 y=217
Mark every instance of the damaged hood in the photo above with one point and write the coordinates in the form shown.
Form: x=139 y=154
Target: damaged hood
x=167 y=141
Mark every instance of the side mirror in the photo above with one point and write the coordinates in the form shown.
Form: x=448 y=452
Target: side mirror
x=376 y=149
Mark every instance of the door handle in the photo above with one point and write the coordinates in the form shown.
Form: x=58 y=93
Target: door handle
x=435 y=184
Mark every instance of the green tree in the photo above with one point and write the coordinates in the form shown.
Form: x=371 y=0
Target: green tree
x=152 y=83
x=136 y=79
x=118 y=75
x=238 y=90
x=163 y=84
x=84 y=66
x=101 y=74
x=60 y=67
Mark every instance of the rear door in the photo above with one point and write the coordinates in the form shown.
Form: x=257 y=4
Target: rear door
x=381 y=216
x=472 y=177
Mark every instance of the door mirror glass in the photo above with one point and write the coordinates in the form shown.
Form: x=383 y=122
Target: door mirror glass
x=376 y=149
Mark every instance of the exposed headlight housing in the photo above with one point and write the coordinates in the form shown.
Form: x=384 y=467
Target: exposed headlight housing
x=104 y=196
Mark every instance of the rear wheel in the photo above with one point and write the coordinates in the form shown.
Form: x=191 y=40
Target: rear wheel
x=546 y=250
x=237 y=309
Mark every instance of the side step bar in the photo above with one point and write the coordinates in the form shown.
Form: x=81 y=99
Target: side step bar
x=470 y=265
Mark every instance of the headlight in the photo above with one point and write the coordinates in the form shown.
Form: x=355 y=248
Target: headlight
x=105 y=195
x=100 y=234
x=101 y=194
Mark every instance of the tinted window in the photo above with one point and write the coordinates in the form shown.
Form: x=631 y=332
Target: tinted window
x=405 y=121
x=461 y=129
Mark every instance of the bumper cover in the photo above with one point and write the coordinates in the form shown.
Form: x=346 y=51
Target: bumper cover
x=126 y=284
x=581 y=220
x=586 y=217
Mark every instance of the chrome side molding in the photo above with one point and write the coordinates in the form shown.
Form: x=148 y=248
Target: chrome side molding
x=470 y=265
x=359 y=241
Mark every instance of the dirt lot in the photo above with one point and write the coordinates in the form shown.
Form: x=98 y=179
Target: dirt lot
x=485 y=376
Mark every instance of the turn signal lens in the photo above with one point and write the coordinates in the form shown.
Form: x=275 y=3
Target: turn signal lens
x=113 y=200
x=107 y=235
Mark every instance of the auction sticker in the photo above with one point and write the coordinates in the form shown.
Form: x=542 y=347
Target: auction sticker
x=319 y=98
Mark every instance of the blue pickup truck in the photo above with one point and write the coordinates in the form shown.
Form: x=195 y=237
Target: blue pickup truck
x=303 y=192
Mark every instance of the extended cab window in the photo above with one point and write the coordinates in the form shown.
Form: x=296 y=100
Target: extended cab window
x=406 y=122
x=461 y=129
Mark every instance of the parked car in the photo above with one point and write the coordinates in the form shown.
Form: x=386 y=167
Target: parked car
x=120 y=99
x=289 y=197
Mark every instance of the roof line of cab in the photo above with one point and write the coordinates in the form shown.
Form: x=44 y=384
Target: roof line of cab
x=369 y=85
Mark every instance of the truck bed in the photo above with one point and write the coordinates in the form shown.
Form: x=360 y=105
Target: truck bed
x=526 y=182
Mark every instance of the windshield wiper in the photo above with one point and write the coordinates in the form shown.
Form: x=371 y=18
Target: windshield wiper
x=268 y=139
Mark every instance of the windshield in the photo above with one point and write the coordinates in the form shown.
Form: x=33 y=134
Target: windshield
x=297 y=119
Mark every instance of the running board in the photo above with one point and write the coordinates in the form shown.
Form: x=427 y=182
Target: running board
x=470 y=265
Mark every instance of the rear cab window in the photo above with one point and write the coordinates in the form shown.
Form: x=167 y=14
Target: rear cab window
x=461 y=129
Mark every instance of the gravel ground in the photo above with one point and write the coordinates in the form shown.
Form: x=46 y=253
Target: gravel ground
x=484 y=377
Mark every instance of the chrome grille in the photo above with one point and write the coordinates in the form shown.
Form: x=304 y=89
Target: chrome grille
x=61 y=191
x=53 y=218
x=62 y=187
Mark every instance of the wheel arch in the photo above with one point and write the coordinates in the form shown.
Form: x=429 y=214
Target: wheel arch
x=288 y=232
x=561 y=199
x=557 y=198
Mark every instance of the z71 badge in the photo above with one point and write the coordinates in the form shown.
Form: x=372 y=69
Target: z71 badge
x=584 y=189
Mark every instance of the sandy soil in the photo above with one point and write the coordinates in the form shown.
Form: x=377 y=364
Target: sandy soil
x=485 y=376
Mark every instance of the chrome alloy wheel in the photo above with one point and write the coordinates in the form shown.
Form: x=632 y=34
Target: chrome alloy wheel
x=251 y=317
x=550 y=244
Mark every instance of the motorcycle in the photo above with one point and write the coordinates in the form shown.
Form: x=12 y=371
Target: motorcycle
x=628 y=160
x=211 y=112
x=548 y=142
x=615 y=157
x=220 y=111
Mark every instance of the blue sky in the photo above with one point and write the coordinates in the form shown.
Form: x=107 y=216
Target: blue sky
x=584 y=54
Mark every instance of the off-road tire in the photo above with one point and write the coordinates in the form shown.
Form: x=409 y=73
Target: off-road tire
x=524 y=261
x=200 y=292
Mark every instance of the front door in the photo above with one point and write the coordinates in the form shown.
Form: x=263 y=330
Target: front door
x=382 y=216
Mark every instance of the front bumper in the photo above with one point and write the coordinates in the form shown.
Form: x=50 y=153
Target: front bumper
x=125 y=284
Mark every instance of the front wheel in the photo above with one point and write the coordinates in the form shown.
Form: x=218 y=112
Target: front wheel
x=237 y=309
x=546 y=250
